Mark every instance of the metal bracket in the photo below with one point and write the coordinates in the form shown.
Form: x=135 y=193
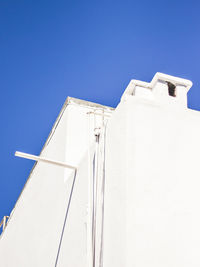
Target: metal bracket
x=4 y=222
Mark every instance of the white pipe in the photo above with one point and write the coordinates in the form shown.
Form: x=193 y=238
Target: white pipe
x=38 y=158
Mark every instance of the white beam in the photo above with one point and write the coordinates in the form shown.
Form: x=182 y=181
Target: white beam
x=39 y=158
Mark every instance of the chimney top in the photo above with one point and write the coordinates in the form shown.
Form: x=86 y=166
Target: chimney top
x=162 y=87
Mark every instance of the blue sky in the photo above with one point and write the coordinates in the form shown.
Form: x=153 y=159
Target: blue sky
x=86 y=49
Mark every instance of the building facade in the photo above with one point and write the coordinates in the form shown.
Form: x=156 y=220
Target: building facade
x=113 y=187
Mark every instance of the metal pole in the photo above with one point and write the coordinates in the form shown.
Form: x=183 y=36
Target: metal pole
x=38 y=158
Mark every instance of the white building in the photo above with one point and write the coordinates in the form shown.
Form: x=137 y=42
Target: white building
x=113 y=187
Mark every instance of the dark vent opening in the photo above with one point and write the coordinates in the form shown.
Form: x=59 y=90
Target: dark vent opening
x=171 y=89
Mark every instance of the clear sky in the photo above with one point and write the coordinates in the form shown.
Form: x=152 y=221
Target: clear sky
x=86 y=49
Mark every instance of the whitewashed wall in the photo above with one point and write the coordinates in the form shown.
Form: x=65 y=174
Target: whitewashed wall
x=152 y=200
x=34 y=235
